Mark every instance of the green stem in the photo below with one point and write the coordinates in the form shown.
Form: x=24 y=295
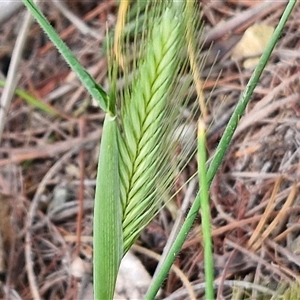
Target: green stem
x=220 y=152
x=205 y=213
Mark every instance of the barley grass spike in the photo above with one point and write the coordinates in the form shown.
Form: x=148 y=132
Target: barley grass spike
x=149 y=107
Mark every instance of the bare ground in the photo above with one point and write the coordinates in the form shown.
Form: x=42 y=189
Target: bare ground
x=48 y=160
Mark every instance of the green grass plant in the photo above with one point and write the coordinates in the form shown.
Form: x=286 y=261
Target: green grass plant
x=205 y=212
x=220 y=152
x=136 y=166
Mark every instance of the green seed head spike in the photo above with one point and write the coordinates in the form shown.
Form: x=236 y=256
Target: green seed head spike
x=149 y=112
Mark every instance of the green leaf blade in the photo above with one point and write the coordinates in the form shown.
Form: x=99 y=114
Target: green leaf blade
x=93 y=88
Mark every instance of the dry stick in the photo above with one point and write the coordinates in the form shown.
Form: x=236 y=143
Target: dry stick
x=280 y=197
x=97 y=11
x=263 y=104
x=273 y=93
x=257 y=259
x=266 y=215
x=12 y=77
x=254 y=175
x=239 y=224
x=285 y=233
x=278 y=219
x=97 y=71
x=50 y=285
x=5 y=103
x=77 y=22
x=8 y=8
x=176 y=270
x=57 y=238
x=81 y=190
x=178 y=222
x=20 y=155
x=258 y=273
x=180 y=294
x=30 y=216
x=267 y=110
x=284 y=251
x=225 y=28
x=224 y=272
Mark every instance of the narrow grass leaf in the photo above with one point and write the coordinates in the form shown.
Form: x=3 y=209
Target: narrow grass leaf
x=220 y=152
x=90 y=84
x=36 y=102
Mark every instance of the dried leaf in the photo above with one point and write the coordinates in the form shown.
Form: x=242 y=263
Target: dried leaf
x=252 y=44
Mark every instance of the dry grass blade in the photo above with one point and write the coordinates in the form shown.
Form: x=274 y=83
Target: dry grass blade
x=276 y=223
x=252 y=243
x=174 y=268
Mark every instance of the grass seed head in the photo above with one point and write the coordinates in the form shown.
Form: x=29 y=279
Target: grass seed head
x=149 y=114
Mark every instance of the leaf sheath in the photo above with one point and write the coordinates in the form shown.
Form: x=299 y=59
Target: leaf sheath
x=108 y=249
